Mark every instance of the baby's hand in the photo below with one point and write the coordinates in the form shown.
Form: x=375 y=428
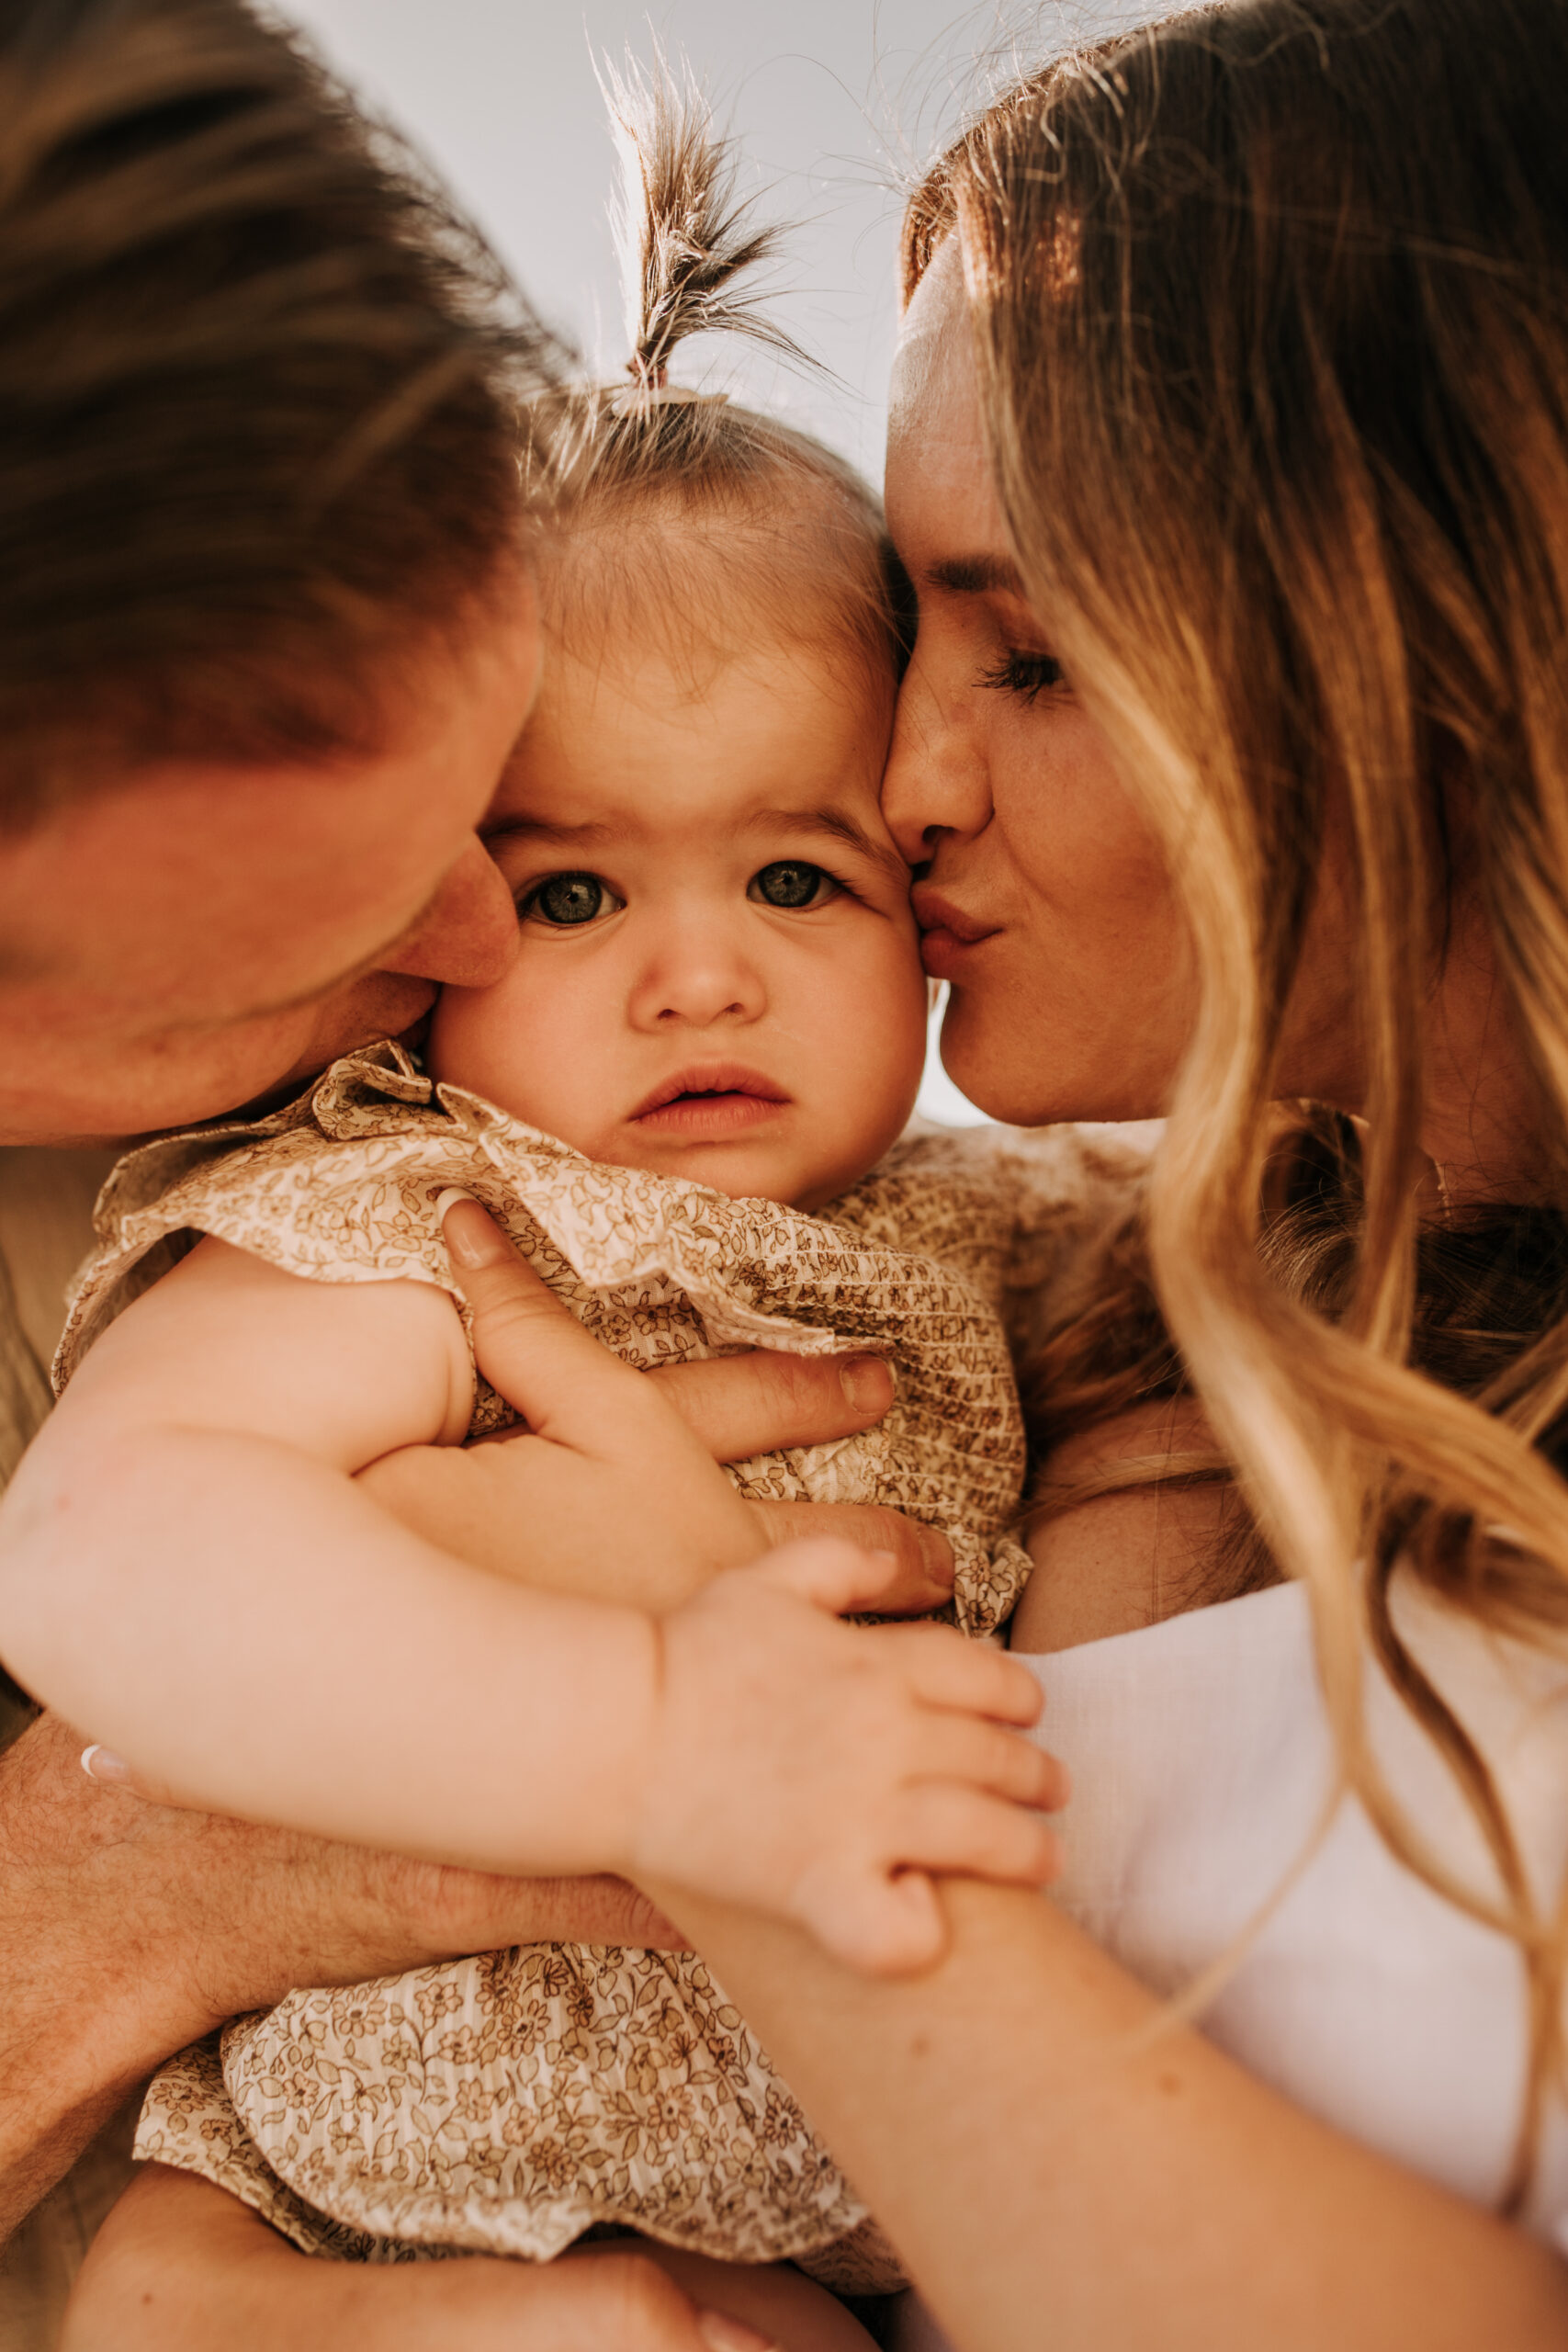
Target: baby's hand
x=817 y=1771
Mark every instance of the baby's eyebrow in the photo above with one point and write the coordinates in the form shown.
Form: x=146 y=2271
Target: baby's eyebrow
x=833 y=824
x=534 y=828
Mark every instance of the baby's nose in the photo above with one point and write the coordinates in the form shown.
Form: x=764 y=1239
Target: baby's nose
x=697 y=977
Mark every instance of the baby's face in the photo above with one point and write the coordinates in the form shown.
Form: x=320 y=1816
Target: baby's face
x=718 y=975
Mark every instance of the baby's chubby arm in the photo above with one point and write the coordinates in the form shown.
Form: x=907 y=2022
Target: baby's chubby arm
x=189 y=1572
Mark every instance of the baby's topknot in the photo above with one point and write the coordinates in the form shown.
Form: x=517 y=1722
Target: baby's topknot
x=684 y=235
x=744 y=514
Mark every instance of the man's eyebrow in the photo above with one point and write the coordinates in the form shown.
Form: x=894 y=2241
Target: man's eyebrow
x=977 y=575
x=835 y=824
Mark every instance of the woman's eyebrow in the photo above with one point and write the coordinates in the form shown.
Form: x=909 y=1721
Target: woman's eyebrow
x=977 y=575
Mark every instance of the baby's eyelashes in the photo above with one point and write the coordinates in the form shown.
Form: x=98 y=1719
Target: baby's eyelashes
x=566 y=900
x=569 y=900
x=790 y=882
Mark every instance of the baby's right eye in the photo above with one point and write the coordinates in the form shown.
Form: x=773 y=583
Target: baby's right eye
x=568 y=899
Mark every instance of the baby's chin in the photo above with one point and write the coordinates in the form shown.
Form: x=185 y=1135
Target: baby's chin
x=745 y=1173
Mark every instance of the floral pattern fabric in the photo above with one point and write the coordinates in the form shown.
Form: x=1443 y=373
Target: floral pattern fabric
x=510 y=2102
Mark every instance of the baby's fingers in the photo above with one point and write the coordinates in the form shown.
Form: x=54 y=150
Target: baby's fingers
x=946 y=1670
x=982 y=1755
x=963 y=1832
x=878 y=1924
x=833 y=1576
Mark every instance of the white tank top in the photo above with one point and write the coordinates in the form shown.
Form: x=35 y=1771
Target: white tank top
x=1202 y=1761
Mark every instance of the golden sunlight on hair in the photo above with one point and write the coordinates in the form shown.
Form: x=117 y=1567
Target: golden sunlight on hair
x=1281 y=443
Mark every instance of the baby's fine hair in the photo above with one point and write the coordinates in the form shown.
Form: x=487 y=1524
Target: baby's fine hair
x=770 y=516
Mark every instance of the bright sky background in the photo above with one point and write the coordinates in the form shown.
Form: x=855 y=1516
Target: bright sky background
x=836 y=103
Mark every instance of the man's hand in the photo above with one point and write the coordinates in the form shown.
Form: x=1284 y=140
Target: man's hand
x=646 y=1518
x=182 y=2266
x=129 y=1930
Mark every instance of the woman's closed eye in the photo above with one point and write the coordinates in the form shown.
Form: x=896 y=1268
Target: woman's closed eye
x=790 y=882
x=567 y=901
x=1027 y=675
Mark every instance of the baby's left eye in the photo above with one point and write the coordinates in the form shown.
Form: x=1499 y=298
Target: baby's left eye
x=789 y=883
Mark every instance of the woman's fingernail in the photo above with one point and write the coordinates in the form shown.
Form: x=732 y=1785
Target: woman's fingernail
x=727 y=2334
x=867 y=1382
x=103 y=1764
x=471 y=1240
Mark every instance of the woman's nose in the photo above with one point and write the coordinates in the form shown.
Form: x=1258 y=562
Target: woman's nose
x=467 y=937
x=935 y=781
x=696 y=973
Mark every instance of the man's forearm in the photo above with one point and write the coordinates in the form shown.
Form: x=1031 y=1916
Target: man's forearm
x=84 y=2010
x=127 y=1930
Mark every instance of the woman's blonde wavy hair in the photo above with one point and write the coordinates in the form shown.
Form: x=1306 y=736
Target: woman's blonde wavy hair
x=1271 y=308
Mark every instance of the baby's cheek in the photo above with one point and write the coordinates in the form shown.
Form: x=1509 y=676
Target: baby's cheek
x=481 y=1038
x=880 y=1052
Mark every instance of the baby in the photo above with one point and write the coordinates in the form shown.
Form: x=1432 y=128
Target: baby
x=712 y=1030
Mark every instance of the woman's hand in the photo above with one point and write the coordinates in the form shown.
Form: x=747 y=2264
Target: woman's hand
x=613 y=1491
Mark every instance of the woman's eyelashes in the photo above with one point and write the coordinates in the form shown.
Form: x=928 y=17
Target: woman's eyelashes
x=790 y=882
x=567 y=901
x=1026 y=674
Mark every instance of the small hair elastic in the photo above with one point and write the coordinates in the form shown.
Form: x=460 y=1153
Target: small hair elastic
x=630 y=400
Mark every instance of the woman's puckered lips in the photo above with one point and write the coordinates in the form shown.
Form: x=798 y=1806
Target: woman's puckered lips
x=935 y=913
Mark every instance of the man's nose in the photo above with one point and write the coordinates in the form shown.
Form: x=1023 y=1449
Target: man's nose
x=935 y=782
x=466 y=936
x=696 y=972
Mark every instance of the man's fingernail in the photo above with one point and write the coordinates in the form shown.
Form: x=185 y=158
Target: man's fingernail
x=471 y=1240
x=868 y=1384
x=936 y=1556
x=103 y=1764
x=727 y=2334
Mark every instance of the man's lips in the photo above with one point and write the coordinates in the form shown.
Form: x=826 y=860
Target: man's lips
x=709 y=1100
x=946 y=932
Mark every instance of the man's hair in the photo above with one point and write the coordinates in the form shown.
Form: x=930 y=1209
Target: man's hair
x=259 y=393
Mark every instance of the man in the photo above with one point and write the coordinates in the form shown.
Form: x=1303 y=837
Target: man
x=267 y=641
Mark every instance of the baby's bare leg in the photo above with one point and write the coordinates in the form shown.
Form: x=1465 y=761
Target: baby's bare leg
x=792 y=2312
x=183 y=2266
